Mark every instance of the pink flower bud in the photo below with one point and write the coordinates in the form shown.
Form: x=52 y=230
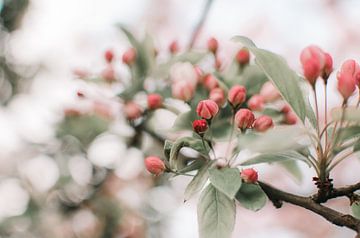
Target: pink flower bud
x=243 y=56
x=109 y=56
x=290 y=118
x=249 y=175
x=346 y=85
x=352 y=68
x=256 y=102
x=313 y=60
x=207 y=109
x=212 y=45
x=218 y=96
x=155 y=165
x=237 y=95
x=174 y=47
x=108 y=74
x=269 y=92
x=132 y=111
x=244 y=118
x=154 y=101
x=210 y=82
x=183 y=90
x=263 y=123
x=129 y=56
x=200 y=126
x=348 y=77
x=328 y=67
x=199 y=73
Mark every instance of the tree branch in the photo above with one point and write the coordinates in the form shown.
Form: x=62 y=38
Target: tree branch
x=200 y=24
x=278 y=196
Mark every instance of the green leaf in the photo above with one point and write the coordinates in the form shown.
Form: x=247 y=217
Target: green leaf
x=276 y=157
x=279 y=139
x=226 y=180
x=193 y=165
x=167 y=148
x=293 y=168
x=251 y=196
x=184 y=121
x=78 y=126
x=193 y=143
x=350 y=114
x=284 y=78
x=198 y=182
x=355 y=209
x=216 y=214
x=349 y=133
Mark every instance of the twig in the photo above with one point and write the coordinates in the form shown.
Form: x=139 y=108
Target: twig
x=278 y=196
x=200 y=24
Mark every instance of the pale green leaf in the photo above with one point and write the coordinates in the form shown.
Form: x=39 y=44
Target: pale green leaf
x=355 y=209
x=193 y=143
x=251 y=196
x=276 y=157
x=198 y=182
x=349 y=114
x=216 y=214
x=226 y=180
x=284 y=78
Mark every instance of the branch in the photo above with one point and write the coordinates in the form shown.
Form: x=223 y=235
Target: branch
x=347 y=191
x=344 y=191
x=200 y=24
x=278 y=196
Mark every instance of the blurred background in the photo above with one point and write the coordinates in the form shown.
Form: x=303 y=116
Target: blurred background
x=55 y=185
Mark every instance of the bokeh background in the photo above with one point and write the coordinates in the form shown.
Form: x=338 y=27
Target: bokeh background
x=51 y=188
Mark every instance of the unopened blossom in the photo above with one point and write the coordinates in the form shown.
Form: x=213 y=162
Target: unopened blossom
x=207 y=109
x=218 y=96
x=129 y=56
x=155 y=165
x=249 y=175
x=244 y=118
x=256 y=102
x=312 y=59
x=237 y=95
x=263 y=123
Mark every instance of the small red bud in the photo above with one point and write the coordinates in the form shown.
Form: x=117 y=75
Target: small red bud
x=213 y=45
x=243 y=56
x=174 y=47
x=249 y=175
x=244 y=118
x=237 y=95
x=207 y=109
x=286 y=109
x=129 y=56
x=200 y=126
x=218 y=96
x=256 y=102
x=210 y=82
x=132 y=111
x=263 y=123
x=155 y=165
x=154 y=101
x=80 y=94
x=109 y=56
x=290 y=118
